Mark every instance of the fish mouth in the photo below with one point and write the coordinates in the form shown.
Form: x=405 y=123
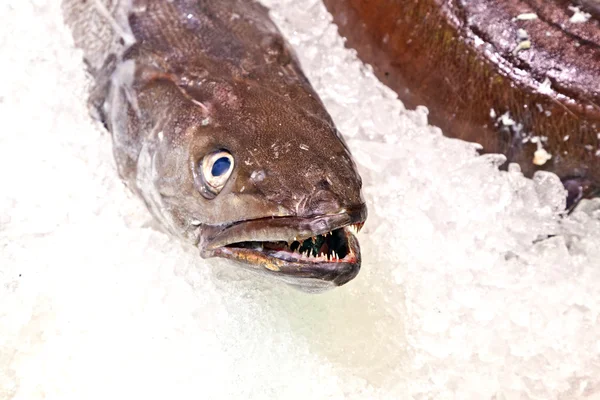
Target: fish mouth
x=312 y=254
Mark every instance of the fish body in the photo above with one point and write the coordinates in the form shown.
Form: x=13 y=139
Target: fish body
x=519 y=77
x=217 y=129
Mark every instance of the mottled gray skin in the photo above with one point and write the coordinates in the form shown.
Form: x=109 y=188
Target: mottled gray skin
x=178 y=79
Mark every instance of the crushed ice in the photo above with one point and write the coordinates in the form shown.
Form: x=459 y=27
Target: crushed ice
x=473 y=286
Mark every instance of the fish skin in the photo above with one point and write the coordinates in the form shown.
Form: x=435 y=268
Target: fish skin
x=527 y=89
x=176 y=80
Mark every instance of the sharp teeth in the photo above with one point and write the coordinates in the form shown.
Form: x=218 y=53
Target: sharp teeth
x=355 y=228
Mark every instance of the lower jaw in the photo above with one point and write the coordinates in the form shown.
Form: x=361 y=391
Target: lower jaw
x=311 y=276
x=303 y=284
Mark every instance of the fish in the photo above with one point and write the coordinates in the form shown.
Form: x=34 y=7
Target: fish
x=217 y=129
x=518 y=77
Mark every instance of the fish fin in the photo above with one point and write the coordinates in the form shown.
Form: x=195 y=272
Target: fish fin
x=579 y=188
x=100 y=88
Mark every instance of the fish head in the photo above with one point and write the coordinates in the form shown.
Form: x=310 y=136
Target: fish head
x=258 y=177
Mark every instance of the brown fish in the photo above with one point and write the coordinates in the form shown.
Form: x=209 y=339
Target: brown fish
x=520 y=77
x=217 y=129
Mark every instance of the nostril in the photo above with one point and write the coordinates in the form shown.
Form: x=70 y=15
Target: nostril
x=321 y=202
x=323 y=184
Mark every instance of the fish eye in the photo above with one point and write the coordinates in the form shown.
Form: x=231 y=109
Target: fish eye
x=213 y=172
x=221 y=166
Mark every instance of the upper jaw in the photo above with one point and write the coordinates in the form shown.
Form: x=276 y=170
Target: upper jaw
x=280 y=228
x=307 y=272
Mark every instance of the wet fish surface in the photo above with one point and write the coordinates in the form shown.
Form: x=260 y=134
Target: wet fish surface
x=217 y=129
x=519 y=77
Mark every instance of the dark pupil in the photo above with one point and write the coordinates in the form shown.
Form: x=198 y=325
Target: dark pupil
x=221 y=166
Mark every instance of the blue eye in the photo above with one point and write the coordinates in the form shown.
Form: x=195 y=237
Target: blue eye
x=221 y=166
x=213 y=171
